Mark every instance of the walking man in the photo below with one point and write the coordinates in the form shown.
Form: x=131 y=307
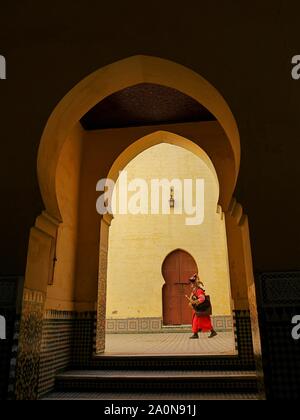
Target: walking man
x=201 y=309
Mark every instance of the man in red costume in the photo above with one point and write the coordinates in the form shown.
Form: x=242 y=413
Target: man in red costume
x=200 y=323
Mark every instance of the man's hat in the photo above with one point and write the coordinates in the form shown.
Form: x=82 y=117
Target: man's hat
x=193 y=278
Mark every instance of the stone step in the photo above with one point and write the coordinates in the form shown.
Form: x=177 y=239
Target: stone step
x=151 y=396
x=176 y=328
x=120 y=380
x=174 y=362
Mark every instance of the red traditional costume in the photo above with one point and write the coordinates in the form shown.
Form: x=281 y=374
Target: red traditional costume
x=201 y=323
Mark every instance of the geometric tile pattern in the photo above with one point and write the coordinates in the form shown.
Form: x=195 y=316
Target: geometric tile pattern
x=145 y=325
x=29 y=345
x=133 y=325
x=13 y=360
x=6 y=349
x=68 y=341
x=279 y=288
x=222 y=323
x=56 y=351
x=11 y=290
x=282 y=366
x=279 y=302
x=8 y=298
x=243 y=333
x=84 y=339
x=279 y=299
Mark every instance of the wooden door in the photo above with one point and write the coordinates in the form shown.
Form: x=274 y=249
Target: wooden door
x=177 y=268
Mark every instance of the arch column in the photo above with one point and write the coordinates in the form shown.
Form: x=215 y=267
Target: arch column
x=234 y=219
x=240 y=258
x=39 y=274
x=102 y=282
x=243 y=289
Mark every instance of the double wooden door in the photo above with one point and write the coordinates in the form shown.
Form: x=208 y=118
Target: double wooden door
x=177 y=268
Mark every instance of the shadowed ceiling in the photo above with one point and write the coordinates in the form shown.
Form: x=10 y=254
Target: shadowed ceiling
x=144 y=104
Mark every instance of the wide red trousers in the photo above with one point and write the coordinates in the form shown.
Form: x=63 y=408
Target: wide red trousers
x=202 y=323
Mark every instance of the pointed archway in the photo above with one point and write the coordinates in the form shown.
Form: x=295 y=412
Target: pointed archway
x=219 y=139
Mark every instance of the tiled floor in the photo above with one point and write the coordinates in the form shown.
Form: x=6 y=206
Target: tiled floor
x=169 y=344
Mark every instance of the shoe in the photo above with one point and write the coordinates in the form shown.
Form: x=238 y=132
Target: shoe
x=195 y=336
x=212 y=334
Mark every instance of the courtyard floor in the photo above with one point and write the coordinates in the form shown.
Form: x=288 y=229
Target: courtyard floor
x=158 y=344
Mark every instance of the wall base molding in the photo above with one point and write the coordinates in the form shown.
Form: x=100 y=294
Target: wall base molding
x=155 y=325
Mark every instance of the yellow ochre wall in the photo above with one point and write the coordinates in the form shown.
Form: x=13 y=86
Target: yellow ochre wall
x=138 y=244
x=60 y=296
